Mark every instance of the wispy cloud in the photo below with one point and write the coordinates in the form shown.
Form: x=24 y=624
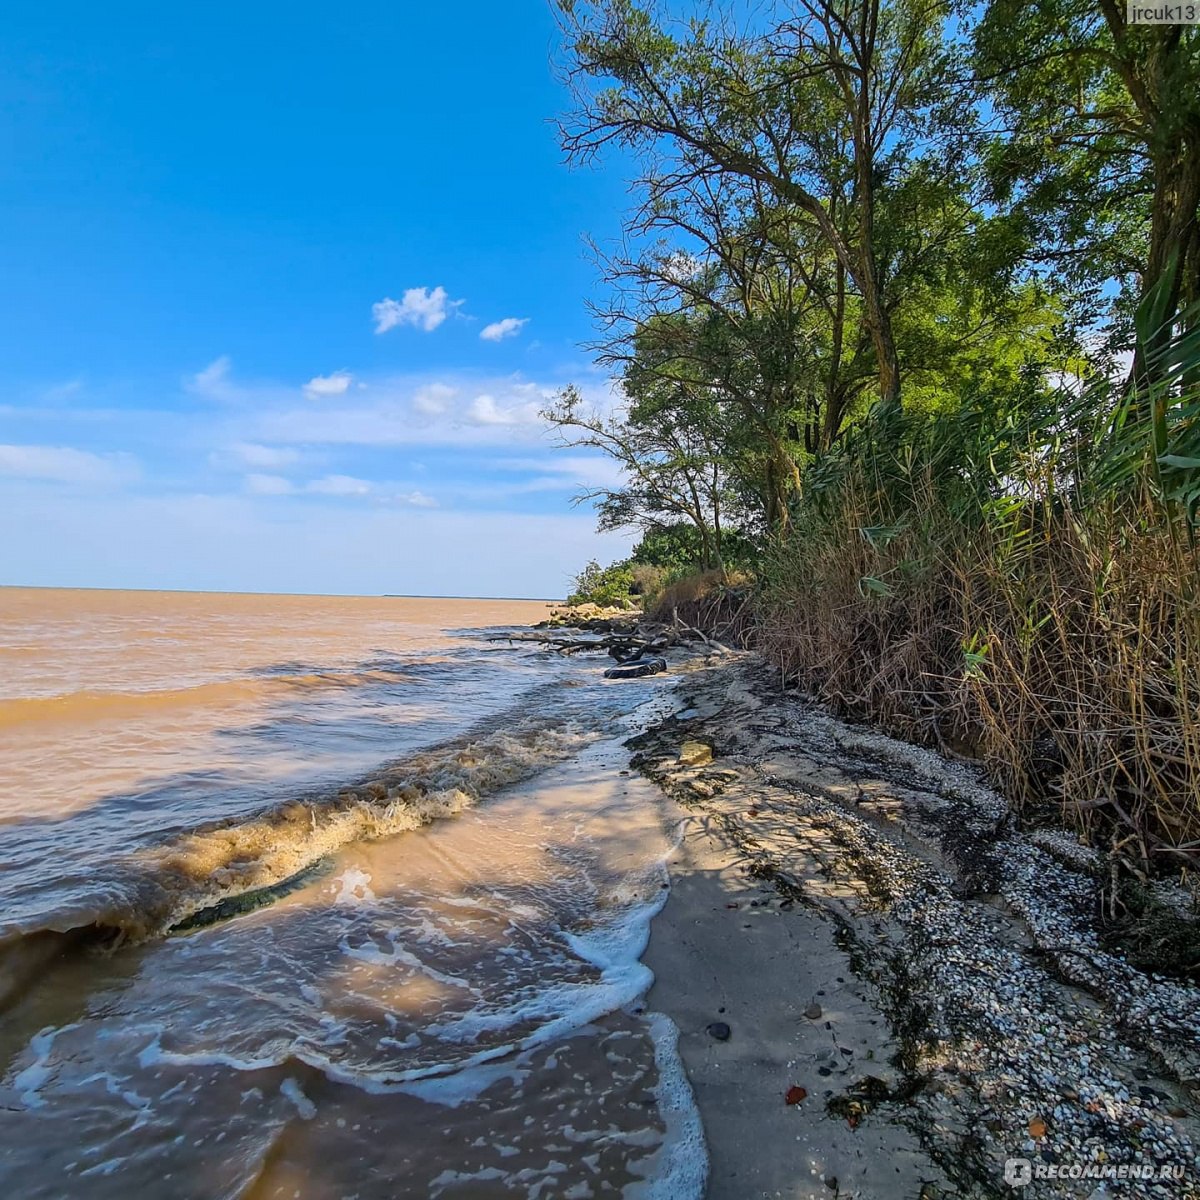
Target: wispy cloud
x=415 y=499
x=321 y=387
x=485 y=411
x=421 y=307
x=432 y=399
x=569 y=470
x=58 y=392
x=339 y=485
x=278 y=489
x=497 y=331
x=448 y=411
x=268 y=485
x=62 y=464
x=214 y=379
x=252 y=454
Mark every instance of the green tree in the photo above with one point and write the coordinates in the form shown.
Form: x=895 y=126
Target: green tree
x=1097 y=159
x=820 y=108
x=672 y=464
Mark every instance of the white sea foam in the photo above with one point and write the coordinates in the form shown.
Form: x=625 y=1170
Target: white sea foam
x=29 y=1082
x=371 y=953
x=678 y=1170
x=354 y=887
x=295 y=1093
x=451 y=1091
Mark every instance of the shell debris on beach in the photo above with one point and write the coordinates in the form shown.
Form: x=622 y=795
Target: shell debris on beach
x=932 y=978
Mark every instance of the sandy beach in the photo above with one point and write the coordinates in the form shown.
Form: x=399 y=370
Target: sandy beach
x=882 y=989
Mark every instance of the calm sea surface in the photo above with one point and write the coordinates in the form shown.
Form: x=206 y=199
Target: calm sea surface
x=325 y=897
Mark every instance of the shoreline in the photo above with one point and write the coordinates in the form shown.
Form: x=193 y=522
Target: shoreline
x=861 y=917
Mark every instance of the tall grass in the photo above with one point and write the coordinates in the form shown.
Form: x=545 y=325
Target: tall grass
x=1019 y=580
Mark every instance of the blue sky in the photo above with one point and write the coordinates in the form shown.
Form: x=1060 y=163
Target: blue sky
x=284 y=287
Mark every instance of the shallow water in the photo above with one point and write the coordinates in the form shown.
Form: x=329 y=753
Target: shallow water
x=322 y=900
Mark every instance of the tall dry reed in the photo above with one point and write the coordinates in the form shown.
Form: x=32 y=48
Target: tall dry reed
x=1059 y=644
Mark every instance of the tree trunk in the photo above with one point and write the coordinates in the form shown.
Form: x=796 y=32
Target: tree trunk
x=878 y=320
x=834 y=395
x=1174 y=231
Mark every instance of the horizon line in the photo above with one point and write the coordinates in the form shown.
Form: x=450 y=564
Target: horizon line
x=39 y=587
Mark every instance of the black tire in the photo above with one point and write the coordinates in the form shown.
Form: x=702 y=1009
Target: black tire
x=635 y=670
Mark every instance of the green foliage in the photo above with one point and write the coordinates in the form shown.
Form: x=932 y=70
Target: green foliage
x=610 y=586
x=678 y=549
x=808 y=236
x=1096 y=164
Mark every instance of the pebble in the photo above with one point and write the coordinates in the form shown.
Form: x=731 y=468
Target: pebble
x=695 y=754
x=720 y=1031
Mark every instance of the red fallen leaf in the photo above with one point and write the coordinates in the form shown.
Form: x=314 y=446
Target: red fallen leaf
x=795 y=1094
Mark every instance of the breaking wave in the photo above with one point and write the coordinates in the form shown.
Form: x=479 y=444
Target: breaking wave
x=161 y=887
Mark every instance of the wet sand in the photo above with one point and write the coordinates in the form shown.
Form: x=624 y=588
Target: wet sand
x=862 y=917
x=723 y=951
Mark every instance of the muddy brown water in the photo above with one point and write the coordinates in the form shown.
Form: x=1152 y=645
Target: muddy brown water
x=325 y=897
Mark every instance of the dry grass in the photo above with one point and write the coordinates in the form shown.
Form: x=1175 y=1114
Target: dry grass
x=719 y=602
x=1060 y=647
x=684 y=592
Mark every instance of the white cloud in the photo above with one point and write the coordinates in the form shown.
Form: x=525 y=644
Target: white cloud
x=421 y=307
x=261 y=484
x=62 y=464
x=320 y=387
x=485 y=411
x=268 y=485
x=57 y=393
x=569 y=470
x=432 y=400
x=680 y=267
x=415 y=500
x=213 y=380
x=271 y=458
x=455 y=410
x=339 y=485
x=497 y=331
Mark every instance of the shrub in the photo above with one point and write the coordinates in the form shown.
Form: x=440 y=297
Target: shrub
x=648 y=580
x=610 y=587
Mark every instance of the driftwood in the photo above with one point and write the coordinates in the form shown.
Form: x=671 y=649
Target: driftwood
x=720 y=647
x=564 y=645
x=625 y=647
x=691 y=631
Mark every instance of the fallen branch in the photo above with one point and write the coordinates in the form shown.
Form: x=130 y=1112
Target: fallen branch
x=720 y=647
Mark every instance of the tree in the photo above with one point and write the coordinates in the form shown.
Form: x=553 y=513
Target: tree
x=1098 y=157
x=673 y=466
x=820 y=108
x=806 y=223
x=734 y=333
